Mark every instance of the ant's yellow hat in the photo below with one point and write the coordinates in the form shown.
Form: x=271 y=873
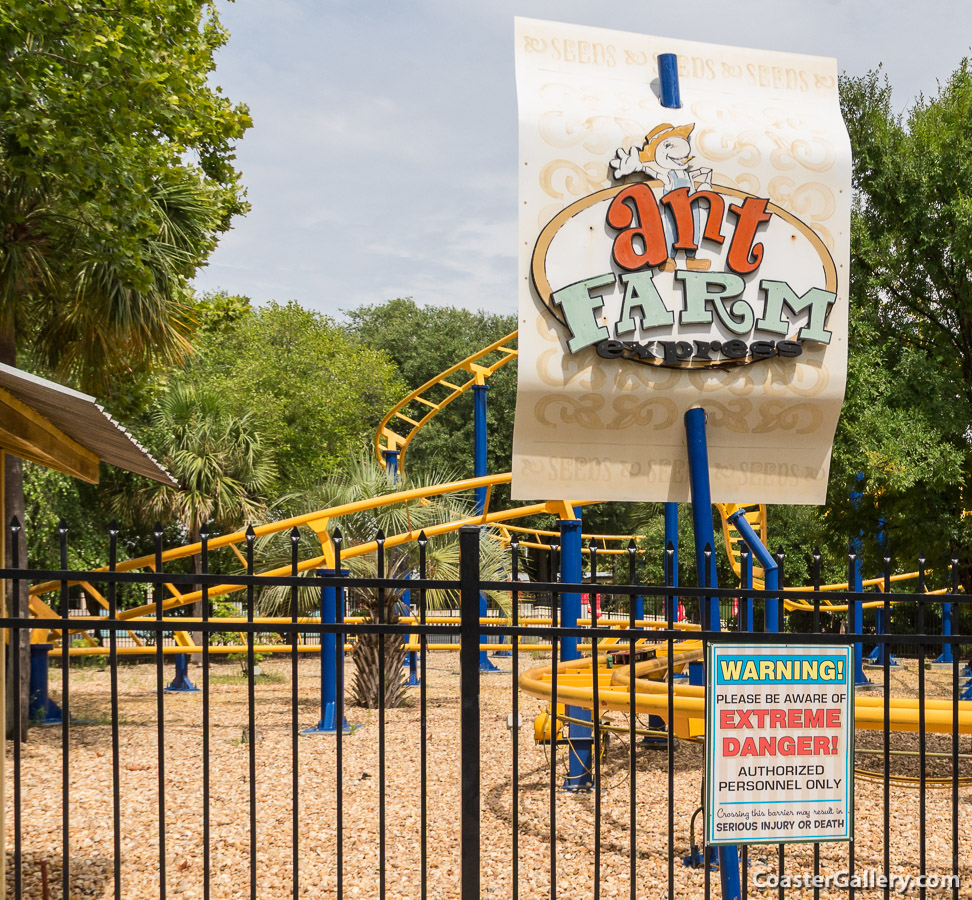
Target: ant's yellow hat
x=658 y=134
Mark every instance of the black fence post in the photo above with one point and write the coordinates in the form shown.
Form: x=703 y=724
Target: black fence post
x=469 y=692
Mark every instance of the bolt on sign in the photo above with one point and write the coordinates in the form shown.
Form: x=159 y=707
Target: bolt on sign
x=671 y=258
x=779 y=744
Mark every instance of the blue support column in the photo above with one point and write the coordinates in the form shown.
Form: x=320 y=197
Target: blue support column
x=331 y=603
x=856 y=610
x=746 y=583
x=581 y=761
x=391 y=464
x=411 y=658
x=413 y=679
x=484 y=663
x=571 y=572
x=181 y=684
x=698 y=457
x=945 y=656
x=882 y=624
x=881 y=627
x=479 y=441
x=42 y=710
x=671 y=538
x=771 y=571
x=479 y=469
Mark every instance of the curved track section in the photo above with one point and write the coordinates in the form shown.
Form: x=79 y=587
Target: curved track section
x=318 y=522
x=756 y=516
x=398 y=428
x=688 y=721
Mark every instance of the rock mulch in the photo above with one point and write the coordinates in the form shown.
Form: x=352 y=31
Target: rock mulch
x=91 y=804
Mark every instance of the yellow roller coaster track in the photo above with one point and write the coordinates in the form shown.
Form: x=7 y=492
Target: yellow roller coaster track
x=400 y=426
x=756 y=516
x=575 y=686
x=403 y=421
x=318 y=521
x=534 y=538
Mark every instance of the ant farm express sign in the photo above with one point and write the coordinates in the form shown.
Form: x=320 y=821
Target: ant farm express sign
x=672 y=258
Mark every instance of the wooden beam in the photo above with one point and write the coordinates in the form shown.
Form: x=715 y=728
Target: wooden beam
x=24 y=432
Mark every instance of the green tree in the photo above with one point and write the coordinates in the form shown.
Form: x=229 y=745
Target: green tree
x=223 y=465
x=116 y=176
x=311 y=389
x=903 y=442
x=424 y=341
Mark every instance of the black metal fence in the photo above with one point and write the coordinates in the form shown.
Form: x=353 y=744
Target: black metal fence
x=448 y=796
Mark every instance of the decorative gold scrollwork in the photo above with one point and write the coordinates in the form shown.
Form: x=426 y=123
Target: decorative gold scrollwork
x=731 y=415
x=566 y=410
x=577 y=181
x=631 y=411
x=777 y=415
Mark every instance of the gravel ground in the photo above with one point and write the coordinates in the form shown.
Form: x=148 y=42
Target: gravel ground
x=91 y=806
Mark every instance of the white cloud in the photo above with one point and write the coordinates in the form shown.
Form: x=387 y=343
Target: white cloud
x=383 y=158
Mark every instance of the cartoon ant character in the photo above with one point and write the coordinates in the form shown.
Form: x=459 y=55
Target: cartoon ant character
x=665 y=155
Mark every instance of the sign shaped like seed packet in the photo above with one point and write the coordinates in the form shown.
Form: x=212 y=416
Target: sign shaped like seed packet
x=672 y=258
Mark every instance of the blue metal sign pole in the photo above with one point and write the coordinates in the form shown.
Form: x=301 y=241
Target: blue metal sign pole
x=698 y=457
x=581 y=759
x=479 y=469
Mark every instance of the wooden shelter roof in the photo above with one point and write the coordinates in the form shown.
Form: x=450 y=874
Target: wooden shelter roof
x=61 y=428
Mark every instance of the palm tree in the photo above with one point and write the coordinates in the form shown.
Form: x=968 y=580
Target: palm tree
x=223 y=465
x=362 y=478
x=87 y=316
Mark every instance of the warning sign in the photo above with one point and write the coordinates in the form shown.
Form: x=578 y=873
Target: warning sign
x=779 y=744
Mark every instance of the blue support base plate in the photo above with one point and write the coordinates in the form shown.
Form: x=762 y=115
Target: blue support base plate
x=327 y=724
x=486 y=666
x=46 y=713
x=578 y=784
x=695 y=859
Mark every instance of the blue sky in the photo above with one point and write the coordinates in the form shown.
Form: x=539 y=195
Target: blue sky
x=382 y=161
